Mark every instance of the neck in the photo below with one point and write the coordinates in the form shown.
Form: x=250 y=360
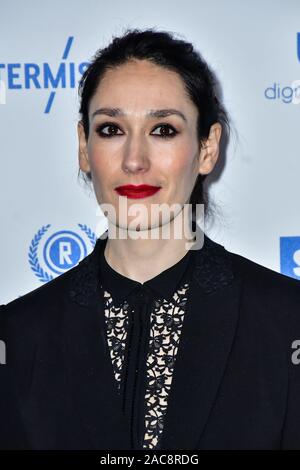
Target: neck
x=144 y=254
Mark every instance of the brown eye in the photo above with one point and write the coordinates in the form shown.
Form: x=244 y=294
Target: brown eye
x=165 y=131
x=111 y=130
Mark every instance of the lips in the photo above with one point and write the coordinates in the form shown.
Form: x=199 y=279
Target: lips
x=135 y=192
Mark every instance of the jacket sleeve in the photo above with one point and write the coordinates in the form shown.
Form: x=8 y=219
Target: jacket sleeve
x=12 y=434
x=291 y=429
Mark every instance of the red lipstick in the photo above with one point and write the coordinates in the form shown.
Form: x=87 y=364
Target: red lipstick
x=136 y=192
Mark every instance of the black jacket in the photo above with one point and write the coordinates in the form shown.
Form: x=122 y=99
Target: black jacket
x=235 y=384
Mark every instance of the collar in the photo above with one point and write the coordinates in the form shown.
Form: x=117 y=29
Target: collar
x=211 y=270
x=163 y=285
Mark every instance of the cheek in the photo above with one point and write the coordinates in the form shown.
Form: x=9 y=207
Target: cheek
x=182 y=170
x=94 y=152
x=182 y=163
x=98 y=162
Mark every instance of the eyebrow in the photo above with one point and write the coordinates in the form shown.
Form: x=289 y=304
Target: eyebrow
x=153 y=113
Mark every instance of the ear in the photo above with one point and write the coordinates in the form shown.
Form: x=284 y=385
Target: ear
x=82 y=149
x=210 y=151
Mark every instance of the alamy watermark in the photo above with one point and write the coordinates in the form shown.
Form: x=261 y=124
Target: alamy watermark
x=162 y=221
x=2 y=352
x=296 y=354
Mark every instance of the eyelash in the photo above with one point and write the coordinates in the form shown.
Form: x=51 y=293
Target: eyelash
x=111 y=124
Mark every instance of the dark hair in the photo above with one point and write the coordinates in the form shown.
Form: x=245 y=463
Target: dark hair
x=163 y=49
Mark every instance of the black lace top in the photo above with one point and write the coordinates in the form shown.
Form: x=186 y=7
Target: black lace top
x=144 y=324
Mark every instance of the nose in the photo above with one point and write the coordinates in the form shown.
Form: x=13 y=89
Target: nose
x=135 y=158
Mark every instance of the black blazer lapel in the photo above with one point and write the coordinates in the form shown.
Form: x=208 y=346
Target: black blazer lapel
x=205 y=344
x=88 y=363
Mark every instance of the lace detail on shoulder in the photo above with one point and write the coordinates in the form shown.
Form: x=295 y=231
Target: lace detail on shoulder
x=166 y=323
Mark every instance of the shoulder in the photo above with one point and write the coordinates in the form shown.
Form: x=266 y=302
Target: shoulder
x=247 y=272
x=77 y=284
x=261 y=276
x=269 y=296
x=42 y=302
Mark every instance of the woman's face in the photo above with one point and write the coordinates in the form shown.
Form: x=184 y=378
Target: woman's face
x=134 y=148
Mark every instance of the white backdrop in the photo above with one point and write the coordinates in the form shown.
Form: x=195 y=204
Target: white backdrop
x=253 y=47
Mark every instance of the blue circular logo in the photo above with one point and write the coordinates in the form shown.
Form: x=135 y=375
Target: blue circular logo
x=63 y=250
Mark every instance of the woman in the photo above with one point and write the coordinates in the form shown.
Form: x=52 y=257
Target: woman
x=152 y=342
